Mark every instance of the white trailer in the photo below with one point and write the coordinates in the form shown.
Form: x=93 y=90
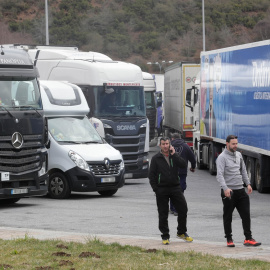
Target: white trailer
x=178 y=116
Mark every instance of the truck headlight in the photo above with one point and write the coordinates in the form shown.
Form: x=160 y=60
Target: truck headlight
x=78 y=160
x=44 y=167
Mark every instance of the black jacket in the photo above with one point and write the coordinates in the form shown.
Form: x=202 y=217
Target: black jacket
x=185 y=152
x=161 y=174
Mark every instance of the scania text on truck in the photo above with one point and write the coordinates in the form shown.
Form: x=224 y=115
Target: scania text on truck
x=234 y=98
x=79 y=159
x=178 y=115
x=115 y=95
x=23 y=130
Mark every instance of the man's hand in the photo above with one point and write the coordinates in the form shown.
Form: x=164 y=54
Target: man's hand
x=192 y=169
x=227 y=193
x=172 y=150
x=249 y=189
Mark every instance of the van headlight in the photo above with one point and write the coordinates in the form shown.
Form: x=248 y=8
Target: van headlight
x=122 y=165
x=78 y=160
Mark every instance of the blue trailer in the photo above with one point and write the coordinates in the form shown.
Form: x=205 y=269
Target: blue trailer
x=232 y=96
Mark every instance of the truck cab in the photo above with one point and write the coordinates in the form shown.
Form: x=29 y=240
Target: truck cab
x=23 y=129
x=79 y=159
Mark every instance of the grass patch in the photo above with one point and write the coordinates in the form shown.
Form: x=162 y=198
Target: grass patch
x=35 y=254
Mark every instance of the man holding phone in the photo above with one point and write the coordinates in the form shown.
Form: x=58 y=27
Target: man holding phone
x=164 y=180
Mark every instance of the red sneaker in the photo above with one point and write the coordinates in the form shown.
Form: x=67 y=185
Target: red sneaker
x=251 y=242
x=230 y=243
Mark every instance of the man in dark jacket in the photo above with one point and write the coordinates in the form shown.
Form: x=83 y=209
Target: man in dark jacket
x=164 y=180
x=184 y=151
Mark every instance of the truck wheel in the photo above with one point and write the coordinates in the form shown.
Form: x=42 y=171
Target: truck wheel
x=107 y=193
x=9 y=201
x=58 y=186
x=250 y=171
x=258 y=178
x=211 y=160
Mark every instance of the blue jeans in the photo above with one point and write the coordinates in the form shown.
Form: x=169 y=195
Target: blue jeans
x=183 y=185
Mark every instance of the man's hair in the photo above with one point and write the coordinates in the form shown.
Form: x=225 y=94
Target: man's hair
x=164 y=139
x=230 y=137
x=175 y=136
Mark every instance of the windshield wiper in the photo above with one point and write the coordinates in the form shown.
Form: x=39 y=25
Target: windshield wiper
x=92 y=142
x=70 y=142
x=5 y=109
x=30 y=107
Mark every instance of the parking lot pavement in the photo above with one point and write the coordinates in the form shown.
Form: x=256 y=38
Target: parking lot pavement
x=176 y=245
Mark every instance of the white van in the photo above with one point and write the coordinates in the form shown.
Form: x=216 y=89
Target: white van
x=79 y=159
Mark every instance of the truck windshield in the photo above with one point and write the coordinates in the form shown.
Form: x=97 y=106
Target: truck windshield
x=73 y=129
x=122 y=101
x=20 y=93
x=150 y=100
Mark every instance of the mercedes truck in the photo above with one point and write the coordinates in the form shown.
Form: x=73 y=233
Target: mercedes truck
x=23 y=129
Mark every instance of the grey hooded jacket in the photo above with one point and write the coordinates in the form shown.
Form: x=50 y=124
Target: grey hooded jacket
x=231 y=170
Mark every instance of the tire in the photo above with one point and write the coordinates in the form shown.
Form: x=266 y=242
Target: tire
x=197 y=155
x=211 y=154
x=258 y=178
x=9 y=201
x=107 y=193
x=58 y=186
x=250 y=171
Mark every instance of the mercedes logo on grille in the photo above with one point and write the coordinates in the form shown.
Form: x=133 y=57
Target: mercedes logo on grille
x=17 y=140
x=107 y=163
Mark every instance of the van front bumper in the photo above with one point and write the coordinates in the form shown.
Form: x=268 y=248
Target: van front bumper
x=86 y=181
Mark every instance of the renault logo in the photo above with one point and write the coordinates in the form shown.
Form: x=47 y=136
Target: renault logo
x=107 y=163
x=17 y=140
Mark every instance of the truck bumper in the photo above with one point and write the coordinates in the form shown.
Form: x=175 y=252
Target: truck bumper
x=23 y=189
x=136 y=168
x=85 y=181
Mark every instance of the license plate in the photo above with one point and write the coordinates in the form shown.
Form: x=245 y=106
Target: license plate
x=128 y=175
x=108 y=180
x=19 y=191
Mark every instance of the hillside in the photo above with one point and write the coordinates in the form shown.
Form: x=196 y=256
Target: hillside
x=137 y=31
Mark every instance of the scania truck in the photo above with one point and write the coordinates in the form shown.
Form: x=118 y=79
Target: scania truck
x=23 y=129
x=115 y=95
x=232 y=97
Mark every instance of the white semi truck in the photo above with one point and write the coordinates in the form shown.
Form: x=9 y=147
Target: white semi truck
x=114 y=92
x=178 y=115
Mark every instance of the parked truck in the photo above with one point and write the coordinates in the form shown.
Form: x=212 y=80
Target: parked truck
x=151 y=104
x=115 y=95
x=233 y=97
x=79 y=159
x=178 y=115
x=23 y=129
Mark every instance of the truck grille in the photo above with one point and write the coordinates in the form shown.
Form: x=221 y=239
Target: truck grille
x=27 y=158
x=99 y=169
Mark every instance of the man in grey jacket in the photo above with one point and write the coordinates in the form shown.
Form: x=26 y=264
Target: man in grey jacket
x=231 y=173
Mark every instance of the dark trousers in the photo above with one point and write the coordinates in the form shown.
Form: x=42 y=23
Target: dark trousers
x=175 y=194
x=240 y=201
x=183 y=185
